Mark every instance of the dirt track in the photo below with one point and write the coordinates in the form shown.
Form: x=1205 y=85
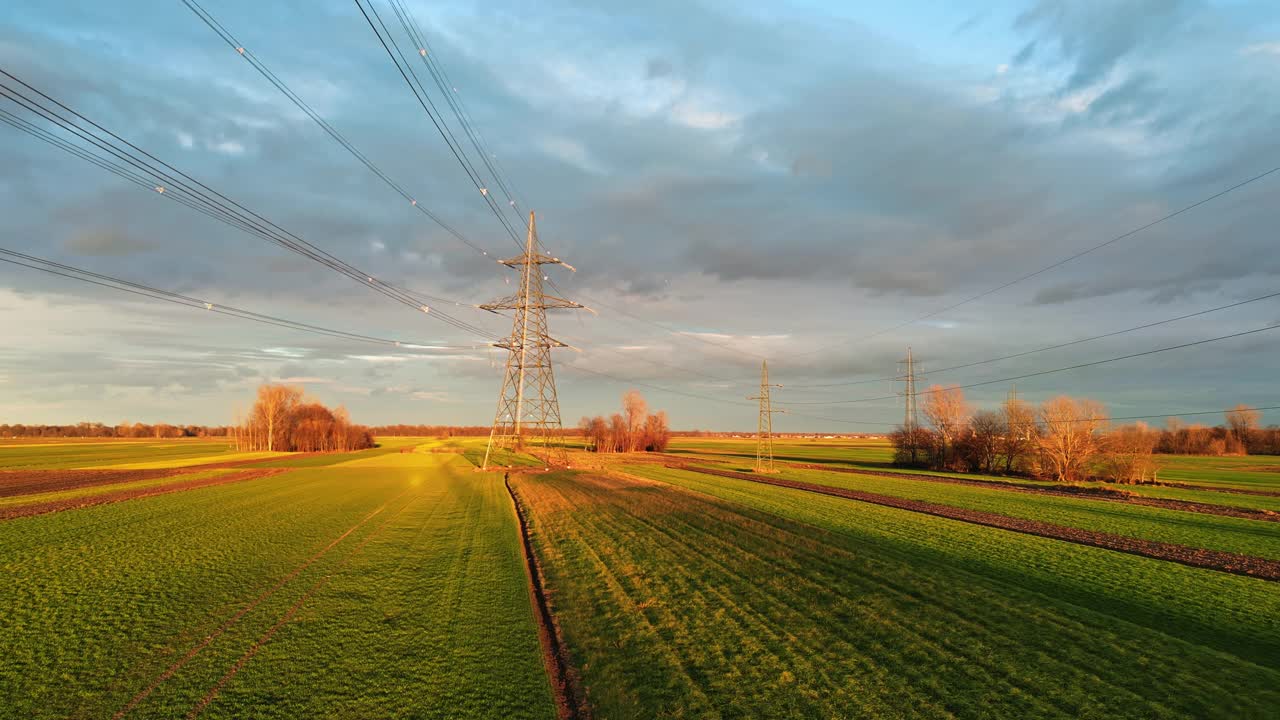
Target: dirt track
x=1093 y=493
x=1186 y=555
x=135 y=493
x=571 y=702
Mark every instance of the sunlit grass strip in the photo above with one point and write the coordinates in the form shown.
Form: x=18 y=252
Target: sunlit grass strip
x=1228 y=534
x=783 y=603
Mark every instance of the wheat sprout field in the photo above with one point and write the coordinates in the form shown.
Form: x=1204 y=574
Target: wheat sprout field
x=158 y=579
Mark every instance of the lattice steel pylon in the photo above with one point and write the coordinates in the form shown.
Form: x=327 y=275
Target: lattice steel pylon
x=911 y=415
x=911 y=418
x=764 y=429
x=528 y=408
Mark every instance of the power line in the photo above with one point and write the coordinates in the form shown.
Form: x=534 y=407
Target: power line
x=1051 y=347
x=436 y=69
x=658 y=388
x=306 y=108
x=1051 y=266
x=1057 y=370
x=152 y=293
x=388 y=42
x=1103 y=419
x=150 y=172
x=450 y=92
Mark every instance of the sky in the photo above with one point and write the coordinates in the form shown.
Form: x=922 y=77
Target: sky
x=814 y=183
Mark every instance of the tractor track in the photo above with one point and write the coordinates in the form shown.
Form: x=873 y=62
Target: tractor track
x=1235 y=563
x=571 y=703
x=1072 y=491
x=249 y=607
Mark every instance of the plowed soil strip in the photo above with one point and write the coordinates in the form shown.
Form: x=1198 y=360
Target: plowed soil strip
x=1219 y=488
x=1195 y=557
x=134 y=493
x=1092 y=493
x=571 y=702
x=293 y=609
x=208 y=639
x=26 y=482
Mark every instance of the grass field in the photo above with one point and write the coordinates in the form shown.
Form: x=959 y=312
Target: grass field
x=1249 y=537
x=384 y=584
x=677 y=595
x=1258 y=472
x=391 y=582
x=129 y=453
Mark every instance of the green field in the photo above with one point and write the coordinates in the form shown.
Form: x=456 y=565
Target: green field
x=391 y=582
x=381 y=585
x=1258 y=472
x=1249 y=537
x=679 y=594
x=145 y=453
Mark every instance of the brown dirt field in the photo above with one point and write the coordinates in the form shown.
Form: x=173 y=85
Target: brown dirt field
x=1195 y=557
x=1215 y=488
x=571 y=702
x=135 y=493
x=1093 y=493
x=27 y=482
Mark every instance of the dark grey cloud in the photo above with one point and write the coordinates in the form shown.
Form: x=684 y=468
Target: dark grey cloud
x=1095 y=37
x=784 y=201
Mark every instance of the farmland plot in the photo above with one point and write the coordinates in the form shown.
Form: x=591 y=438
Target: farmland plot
x=703 y=595
x=385 y=589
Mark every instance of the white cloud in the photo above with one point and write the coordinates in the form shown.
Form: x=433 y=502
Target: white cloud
x=437 y=396
x=572 y=153
x=692 y=115
x=227 y=147
x=1002 y=68
x=1267 y=48
x=185 y=140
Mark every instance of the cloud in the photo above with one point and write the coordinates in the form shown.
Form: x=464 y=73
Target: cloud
x=658 y=68
x=1266 y=48
x=227 y=147
x=571 y=152
x=1095 y=37
x=106 y=242
x=815 y=194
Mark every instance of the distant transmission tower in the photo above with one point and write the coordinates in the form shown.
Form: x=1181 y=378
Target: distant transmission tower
x=764 y=430
x=911 y=415
x=528 y=408
x=911 y=419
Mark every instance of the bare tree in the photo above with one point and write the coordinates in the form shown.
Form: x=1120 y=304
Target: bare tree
x=1019 y=434
x=1243 y=420
x=1127 y=454
x=948 y=413
x=1070 y=437
x=983 y=440
x=274 y=410
x=634 y=410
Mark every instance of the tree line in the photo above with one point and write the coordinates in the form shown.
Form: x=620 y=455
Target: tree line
x=283 y=419
x=121 y=430
x=634 y=429
x=1066 y=439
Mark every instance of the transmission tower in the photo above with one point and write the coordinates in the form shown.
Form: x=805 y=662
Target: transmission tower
x=764 y=430
x=528 y=409
x=911 y=419
x=911 y=415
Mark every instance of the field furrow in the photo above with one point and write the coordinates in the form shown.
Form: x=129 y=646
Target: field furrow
x=660 y=590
